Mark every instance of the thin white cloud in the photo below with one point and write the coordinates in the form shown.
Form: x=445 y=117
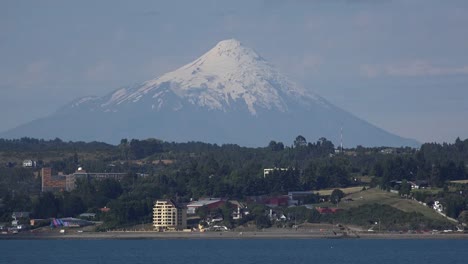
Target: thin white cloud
x=300 y=68
x=32 y=74
x=311 y=63
x=410 y=69
x=101 y=71
x=369 y=71
x=363 y=19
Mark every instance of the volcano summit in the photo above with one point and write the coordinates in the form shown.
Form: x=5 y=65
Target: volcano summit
x=228 y=95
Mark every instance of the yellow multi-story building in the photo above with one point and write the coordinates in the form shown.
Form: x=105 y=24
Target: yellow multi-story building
x=168 y=216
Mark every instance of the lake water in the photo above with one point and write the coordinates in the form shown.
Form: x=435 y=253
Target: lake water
x=281 y=251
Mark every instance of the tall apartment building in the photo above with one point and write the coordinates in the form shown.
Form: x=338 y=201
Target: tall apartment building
x=168 y=216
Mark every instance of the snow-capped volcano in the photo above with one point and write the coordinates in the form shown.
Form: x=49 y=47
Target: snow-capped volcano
x=228 y=95
x=229 y=73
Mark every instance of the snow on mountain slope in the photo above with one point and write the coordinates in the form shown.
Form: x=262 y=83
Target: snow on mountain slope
x=83 y=100
x=228 y=73
x=228 y=95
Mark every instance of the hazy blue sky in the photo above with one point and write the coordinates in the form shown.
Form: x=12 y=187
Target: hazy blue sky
x=402 y=65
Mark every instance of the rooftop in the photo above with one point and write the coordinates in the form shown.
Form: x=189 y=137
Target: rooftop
x=203 y=202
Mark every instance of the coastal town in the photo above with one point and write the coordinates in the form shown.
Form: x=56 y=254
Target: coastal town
x=77 y=202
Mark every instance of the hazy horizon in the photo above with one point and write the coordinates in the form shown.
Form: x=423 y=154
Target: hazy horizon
x=399 y=65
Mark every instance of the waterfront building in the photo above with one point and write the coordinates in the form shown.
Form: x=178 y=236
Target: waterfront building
x=167 y=215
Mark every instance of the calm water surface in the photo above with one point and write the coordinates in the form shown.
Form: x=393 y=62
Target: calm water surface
x=316 y=251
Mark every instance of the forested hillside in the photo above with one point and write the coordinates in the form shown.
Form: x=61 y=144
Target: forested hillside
x=184 y=171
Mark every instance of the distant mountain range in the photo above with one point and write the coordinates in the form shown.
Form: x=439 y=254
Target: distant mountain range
x=228 y=95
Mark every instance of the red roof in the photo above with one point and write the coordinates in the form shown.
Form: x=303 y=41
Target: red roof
x=326 y=210
x=105 y=209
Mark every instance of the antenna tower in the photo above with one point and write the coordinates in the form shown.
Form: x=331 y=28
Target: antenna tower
x=341 y=133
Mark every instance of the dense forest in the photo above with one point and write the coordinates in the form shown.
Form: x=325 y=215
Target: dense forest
x=184 y=171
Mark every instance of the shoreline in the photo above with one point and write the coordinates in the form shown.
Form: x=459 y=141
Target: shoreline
x=150 y=235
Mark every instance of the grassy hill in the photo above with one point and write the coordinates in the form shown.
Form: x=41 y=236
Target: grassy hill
x=377 y=196
x=348 y=190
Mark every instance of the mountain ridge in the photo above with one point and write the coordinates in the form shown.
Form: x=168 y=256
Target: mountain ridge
x=230 y=94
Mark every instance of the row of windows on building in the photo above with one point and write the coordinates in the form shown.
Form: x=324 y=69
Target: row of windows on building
x=167 y=215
